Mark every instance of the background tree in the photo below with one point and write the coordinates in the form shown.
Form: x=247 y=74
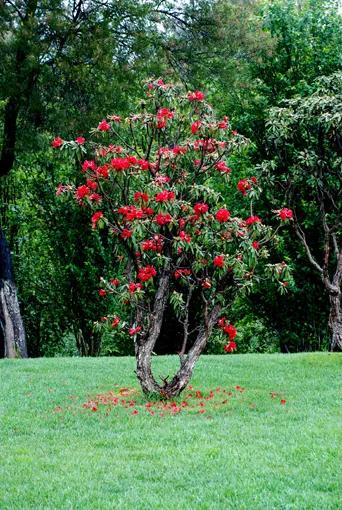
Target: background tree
x=305 y=150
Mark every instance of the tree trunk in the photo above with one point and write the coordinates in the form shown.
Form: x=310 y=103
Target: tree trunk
x=335 y=321
x=183 y=376
x=144 y=348
x=12 y=333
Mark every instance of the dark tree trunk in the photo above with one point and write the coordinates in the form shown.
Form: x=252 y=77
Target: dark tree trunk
x=10 y=135
x=335 y=321
x=12 y=333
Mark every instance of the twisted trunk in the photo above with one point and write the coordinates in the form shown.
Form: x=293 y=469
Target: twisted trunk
x=12 y=333
x=145 y=346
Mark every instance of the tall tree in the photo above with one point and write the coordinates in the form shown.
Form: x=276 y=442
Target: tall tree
x=305 y=159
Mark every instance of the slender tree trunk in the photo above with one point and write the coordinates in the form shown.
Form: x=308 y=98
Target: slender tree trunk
x=181 y=379
x=335 y=321
x=145 y=345
x=12 y=333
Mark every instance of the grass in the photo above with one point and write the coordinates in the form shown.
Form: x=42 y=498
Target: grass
x=249 y=453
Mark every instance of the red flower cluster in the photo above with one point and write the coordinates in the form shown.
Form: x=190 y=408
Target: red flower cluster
x=285 y=214
x=227 y=328
x=253 y=219
x=180 y=273
x=115 y=322
x=103 y=126
x=139 y=195
x=165 y=196
x=96 y=218
x=163 y=219
x=222 y=215
x=219 y=261
x=223 y=124
x=122 y=164
x=80 y=140
x=184 y=236
x=163 y=115
x=246 y=184
x=222 y=167
x=146 y=273
x=133 y=332
x=57 y=142
x=201 y=208
x=133 y=287
x=196 y=96
x=155 y=244
x=130 y=212
x=230 y=347
x=126 y=233
x=195 y=126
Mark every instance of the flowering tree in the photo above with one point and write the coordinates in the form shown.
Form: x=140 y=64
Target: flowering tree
x=151 y=182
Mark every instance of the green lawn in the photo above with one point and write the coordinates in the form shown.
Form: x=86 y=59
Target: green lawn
x=246 y=451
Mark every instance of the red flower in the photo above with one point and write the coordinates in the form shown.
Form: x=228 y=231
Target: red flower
x=89 y=165
x=230 y=330
x=120 y=164
x=165 y=113
x=115 y=322
x=102 y=292
x=132 y=287
x=283 y=401
x=81 y=192
x=230 y=347
x=201 y=208
x=95 y=197
x=146 y=273
x=223 y=124
x=95 y=218
x=206 y=284
x=165 y=196
x=163 y=219
x=222 y=215
x=256 y=245
x=139 y=195
x=184 y=236
x=103 y=171
x=126 y=233
x=219 y=261
x=253 y=219
x=243 y=186
x=222 y=167
x=179 y=273
x=103 y=126
x=57 y=142
x=80 y=140
x=135 y=412
x=134 y=331
x=221 y=322
x=115 y=282
x=195 y=126
x=285 y=214
x=196 y=96
x=91 y=184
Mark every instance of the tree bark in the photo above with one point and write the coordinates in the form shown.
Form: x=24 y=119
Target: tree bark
x=181 y=379
x=144 y=347
x=335 y=321
x=12 y=333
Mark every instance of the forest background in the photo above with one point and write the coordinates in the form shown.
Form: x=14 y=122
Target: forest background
x=273 y=67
